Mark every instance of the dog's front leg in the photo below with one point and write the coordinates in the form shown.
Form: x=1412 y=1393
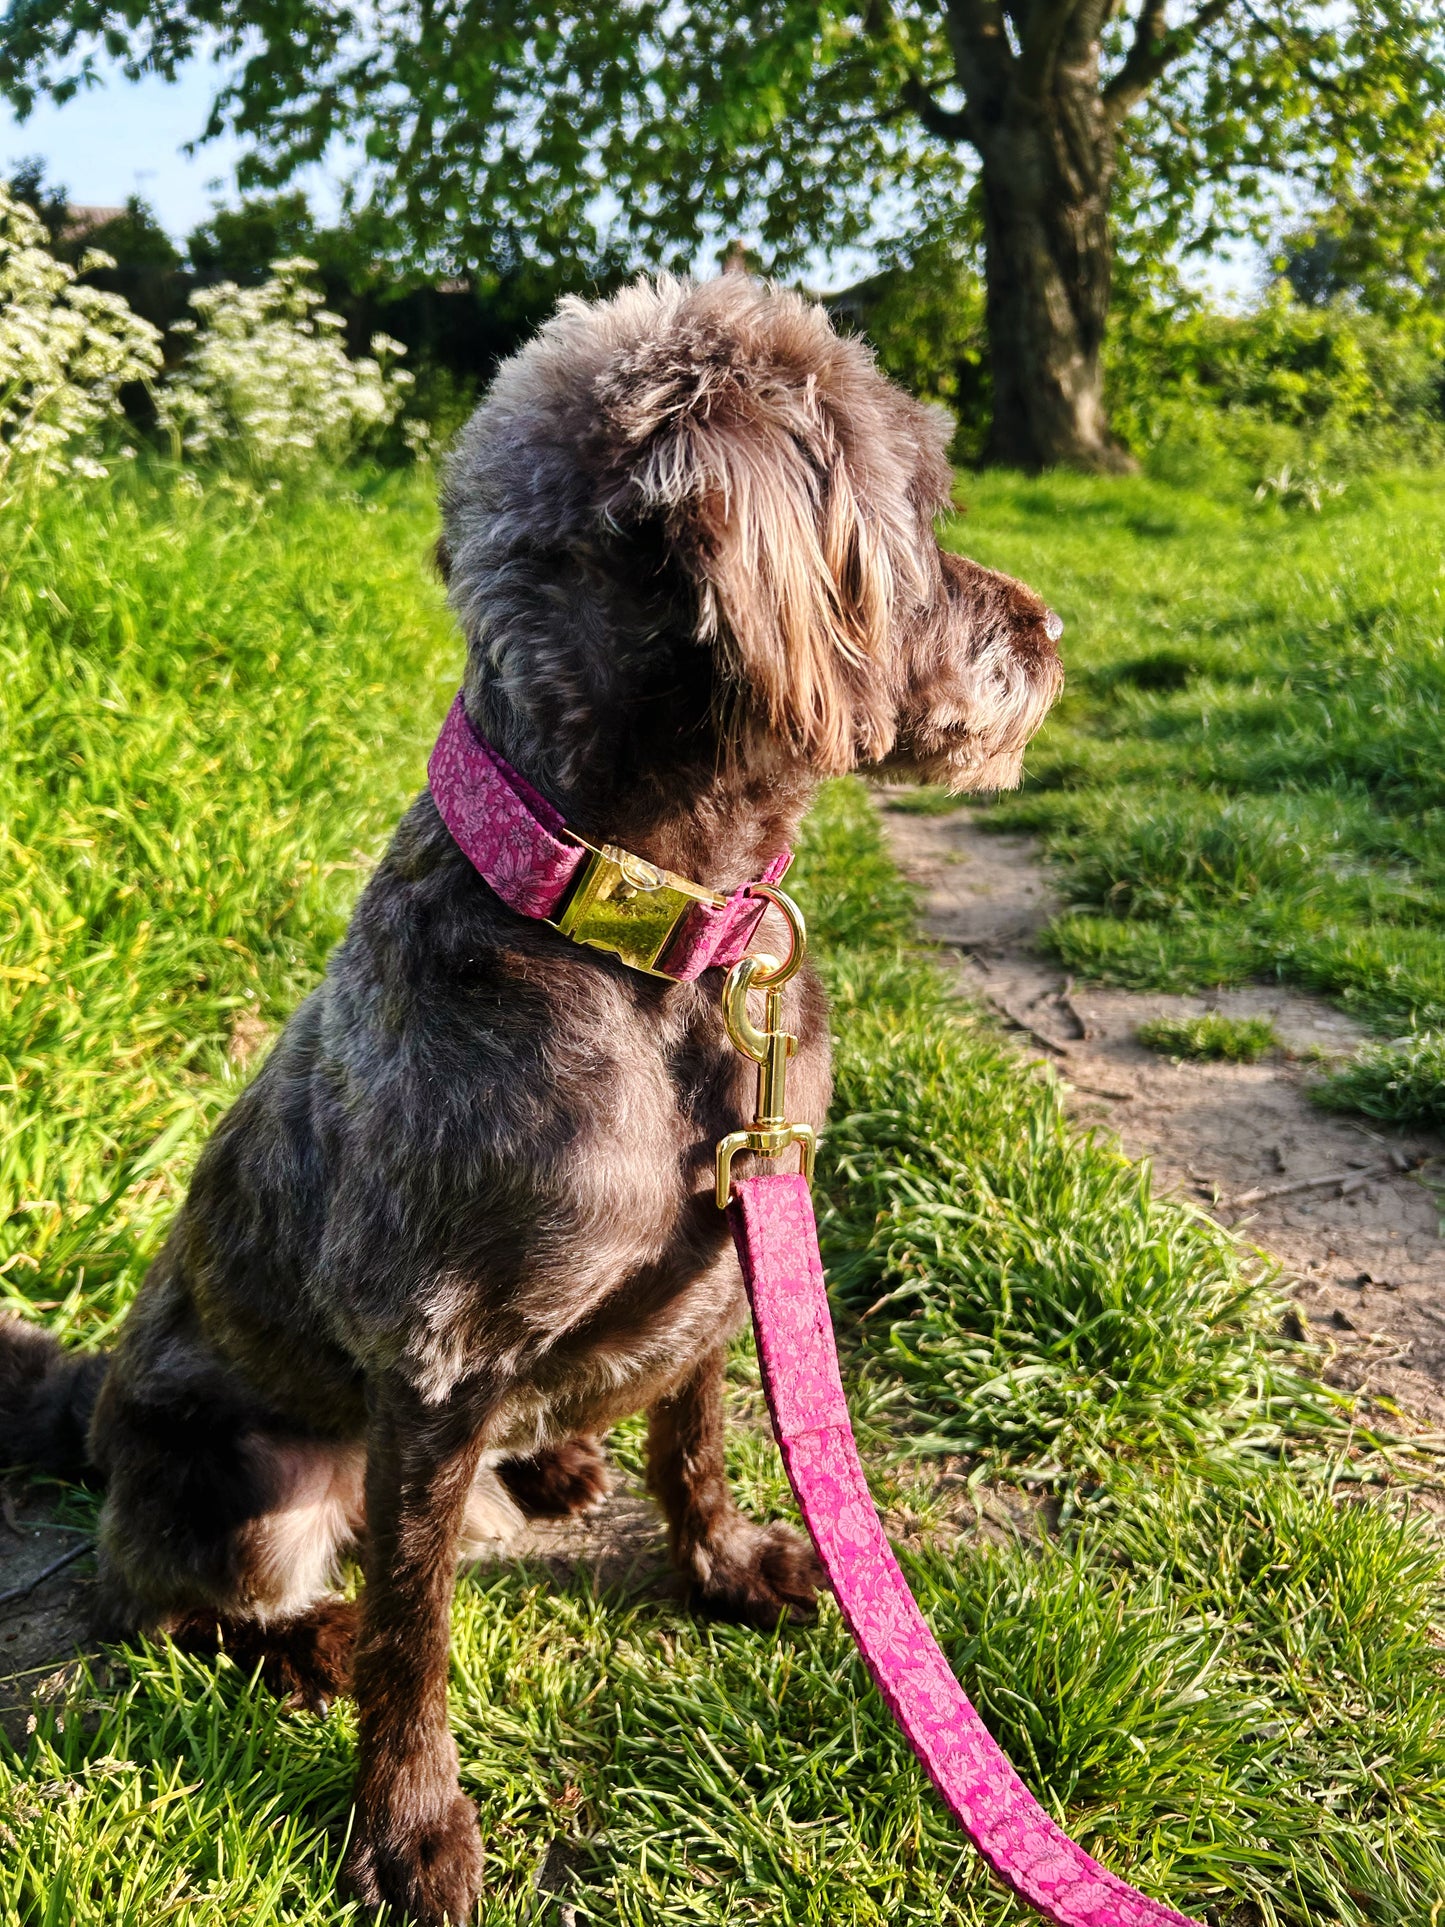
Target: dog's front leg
x=417 y=1842
x=738 y=1568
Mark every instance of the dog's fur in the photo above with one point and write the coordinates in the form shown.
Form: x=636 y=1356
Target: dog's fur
x=462 y=1220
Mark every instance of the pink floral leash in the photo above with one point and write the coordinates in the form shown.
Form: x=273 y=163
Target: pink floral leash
x=777 y=1239
x=603 y=896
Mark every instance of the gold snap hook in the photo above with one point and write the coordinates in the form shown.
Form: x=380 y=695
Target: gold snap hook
x=770 y=1047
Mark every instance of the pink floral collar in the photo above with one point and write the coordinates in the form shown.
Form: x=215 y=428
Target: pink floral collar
x=596 y=894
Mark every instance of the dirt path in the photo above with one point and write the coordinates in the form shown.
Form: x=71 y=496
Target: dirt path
x=42 y=1624
x=1363 y=1253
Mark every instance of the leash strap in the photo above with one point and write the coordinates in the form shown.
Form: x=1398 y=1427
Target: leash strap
x=777 y=1238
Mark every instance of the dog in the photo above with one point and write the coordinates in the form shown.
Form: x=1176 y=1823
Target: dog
x=463 y=1220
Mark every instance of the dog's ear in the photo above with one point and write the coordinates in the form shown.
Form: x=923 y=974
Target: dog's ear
x=794 y=585
x=747 y=467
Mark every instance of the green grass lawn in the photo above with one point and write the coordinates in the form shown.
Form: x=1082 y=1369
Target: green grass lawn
x=1221 y=1665
x=1245 y=776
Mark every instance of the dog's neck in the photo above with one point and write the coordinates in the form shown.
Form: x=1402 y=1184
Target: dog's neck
x=714 y=817
x=719 y=829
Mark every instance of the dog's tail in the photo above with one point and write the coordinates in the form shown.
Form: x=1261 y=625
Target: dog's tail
x=46 y=1398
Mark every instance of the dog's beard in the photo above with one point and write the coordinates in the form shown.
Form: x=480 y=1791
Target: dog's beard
x=973 y=737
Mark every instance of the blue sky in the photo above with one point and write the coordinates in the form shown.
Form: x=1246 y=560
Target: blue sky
x=126 y=138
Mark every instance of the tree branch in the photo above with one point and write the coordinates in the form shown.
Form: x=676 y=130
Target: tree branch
x=943 y=121
x=46 y=1572
x=982 y=55
x=1154 y=49
x=1145 y=60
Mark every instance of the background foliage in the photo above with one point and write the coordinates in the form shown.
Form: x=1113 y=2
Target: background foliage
x=614 y=136
x=1200 y=394
x=1329 y=387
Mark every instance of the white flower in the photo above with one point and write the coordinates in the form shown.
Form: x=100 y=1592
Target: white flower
x=65 y=352
x=419 y=438
x=269 y=376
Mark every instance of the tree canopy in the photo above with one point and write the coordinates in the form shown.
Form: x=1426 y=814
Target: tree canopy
x=650 y=131
x=587 y=141
x=647 y=133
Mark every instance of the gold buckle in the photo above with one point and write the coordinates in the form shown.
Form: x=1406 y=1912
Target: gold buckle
x=626 y=905
x=769 y=1133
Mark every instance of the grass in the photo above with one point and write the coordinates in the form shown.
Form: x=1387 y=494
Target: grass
x=212 y=710
x=1401 y=1083
x=1042 y=1308
x=1211 y=1037
x=1222 y=1667
x=1244 y=777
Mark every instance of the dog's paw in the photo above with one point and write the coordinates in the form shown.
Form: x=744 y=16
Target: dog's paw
x=757 y=1574
x=429 y=1870
x=305 y=1661
x=309 y=1662
x=559 y=1480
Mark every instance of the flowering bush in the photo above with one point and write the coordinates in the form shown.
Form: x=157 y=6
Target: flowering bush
x=269 y=376
x=65 y=351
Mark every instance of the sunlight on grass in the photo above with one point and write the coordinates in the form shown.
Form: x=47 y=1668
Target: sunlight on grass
x=1210 y=1037
x=1400 y=1083
x=211 y=712
x=1042 y=1307
x=1244 y=777
x=1222 y=1671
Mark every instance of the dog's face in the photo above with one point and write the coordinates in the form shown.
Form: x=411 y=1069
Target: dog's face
x=701 y=504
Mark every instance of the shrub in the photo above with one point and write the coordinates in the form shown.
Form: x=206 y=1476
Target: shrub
x=1402 y=1082
x=924 y=317
x=1286 y=398
x=1212 y=1036
x=1311 y=390
x=269 y=377
x=65 y=353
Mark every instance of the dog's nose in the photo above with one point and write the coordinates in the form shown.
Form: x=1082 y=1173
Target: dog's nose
x=1053 y=626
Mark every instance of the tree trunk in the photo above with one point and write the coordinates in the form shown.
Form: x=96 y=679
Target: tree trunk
x=1048 y=167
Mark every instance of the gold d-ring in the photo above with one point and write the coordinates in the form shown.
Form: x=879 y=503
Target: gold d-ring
x=779 y=974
